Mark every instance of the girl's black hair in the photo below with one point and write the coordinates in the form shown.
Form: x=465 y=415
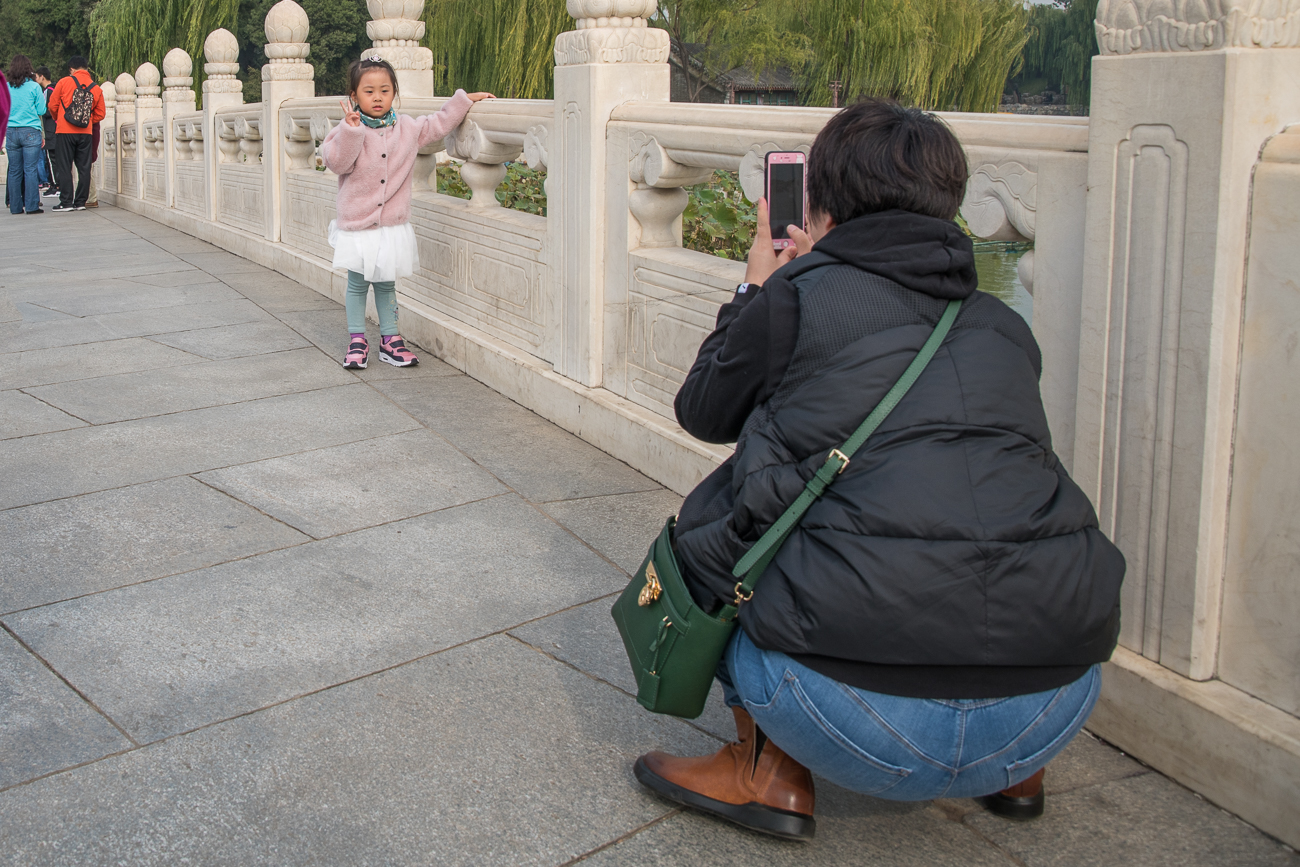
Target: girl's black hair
x=878 y=155
x=20 y=70
x=360 y=67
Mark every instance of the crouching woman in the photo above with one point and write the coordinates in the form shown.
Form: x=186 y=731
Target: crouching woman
x=933 y=627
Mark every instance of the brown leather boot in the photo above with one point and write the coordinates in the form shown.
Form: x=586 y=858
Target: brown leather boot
x=752 y=782
x=1022 y=801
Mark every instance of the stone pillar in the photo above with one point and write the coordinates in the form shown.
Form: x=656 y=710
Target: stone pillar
x=1184 y=99
x=396 y=31
x=221 y=56
x=612 y=58
x=148 y=106
x=287 y=76
x=108 y=149
x=125 y=116
x=1180 y=111
x=178 y=98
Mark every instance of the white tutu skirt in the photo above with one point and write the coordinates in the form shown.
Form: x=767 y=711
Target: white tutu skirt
x=379 y=255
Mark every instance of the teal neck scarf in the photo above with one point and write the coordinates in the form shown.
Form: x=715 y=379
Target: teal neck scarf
x=389 y=119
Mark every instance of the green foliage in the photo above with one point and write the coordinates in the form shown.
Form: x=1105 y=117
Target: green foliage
x=724 y=35
x=126 y=33
x=718 y=220
x=1058 y=55
x=522 y=190
x=505 y=47
x=47 y=31
x=934 y=54
x=338 y=36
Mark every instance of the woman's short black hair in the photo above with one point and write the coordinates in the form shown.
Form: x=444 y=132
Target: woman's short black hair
x=877 y=155
x=360 y=67
x=20 y=70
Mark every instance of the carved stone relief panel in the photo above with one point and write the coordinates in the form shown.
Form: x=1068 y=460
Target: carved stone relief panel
x=1133 y=26
x=1145 y=307
x=191 y=192
x=241 y=195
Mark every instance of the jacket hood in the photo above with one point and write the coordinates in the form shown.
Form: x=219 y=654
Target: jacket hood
x=924 y=254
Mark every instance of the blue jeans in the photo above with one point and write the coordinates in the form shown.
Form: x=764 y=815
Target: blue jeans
x=903 y=749
x=24 y=146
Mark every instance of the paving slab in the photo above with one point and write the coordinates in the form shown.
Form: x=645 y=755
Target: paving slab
x=586 y=638
x=44 y=725
x=221 y=263
x=30 y=312
x=86 y=361
x=235 y=341
x=1148 y=820
x=85 y=303
x=68 y=548
x=338 y=490
x=535 y=457
x=165 y=320
x=21 y=336
x=621 y=526
x=23 y=415
x=68 y=463
x=485 y=754
x=194 y=386
x=248 y=634
x=852 y=831
x=179 y=278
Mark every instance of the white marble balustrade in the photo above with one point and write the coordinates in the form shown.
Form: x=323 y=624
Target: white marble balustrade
x=1162 y=272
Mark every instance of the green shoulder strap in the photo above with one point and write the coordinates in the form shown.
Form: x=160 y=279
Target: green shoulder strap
x=751 y=566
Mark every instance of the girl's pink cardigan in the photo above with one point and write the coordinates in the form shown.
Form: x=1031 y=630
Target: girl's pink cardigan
x=375 y=165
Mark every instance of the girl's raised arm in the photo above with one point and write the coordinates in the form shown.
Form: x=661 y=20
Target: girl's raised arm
x=437 y=125
x=342 y=145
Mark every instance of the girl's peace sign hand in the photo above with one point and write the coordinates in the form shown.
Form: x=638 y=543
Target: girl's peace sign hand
x=350 y=117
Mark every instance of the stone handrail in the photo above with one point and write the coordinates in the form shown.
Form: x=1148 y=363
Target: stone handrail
x=239 y=134
x=187 y=132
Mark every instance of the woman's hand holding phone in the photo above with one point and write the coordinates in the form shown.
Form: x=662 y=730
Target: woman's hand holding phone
x=763 y=258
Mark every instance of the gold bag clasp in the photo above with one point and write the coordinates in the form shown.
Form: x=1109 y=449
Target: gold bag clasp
x=652 y=589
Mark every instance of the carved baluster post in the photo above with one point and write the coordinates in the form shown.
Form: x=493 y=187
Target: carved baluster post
x=125 y=119
x=612 y=57
x=148 y=106
x=107 y=141
x=177 y=98
x=221 y=56
x=1180 y=112
x=396 y=31
x=287 y=76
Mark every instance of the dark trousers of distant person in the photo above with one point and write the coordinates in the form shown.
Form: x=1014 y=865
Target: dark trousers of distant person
x=72 y=149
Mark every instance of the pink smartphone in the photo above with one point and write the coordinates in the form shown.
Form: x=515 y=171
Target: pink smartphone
x=787 y=191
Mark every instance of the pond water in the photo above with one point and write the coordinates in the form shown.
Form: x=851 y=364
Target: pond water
x=997 y=275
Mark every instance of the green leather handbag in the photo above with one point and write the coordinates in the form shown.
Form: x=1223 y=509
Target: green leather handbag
x=673 y=644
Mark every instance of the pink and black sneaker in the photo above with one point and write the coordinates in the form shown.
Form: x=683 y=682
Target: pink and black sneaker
x=393 y=351
x=358 y=354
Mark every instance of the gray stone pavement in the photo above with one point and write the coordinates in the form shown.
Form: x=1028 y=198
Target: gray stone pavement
x=261 y=610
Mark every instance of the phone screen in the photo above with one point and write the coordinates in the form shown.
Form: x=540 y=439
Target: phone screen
x=785 y=197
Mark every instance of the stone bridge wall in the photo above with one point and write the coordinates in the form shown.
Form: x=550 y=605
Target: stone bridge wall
x=1163 y=277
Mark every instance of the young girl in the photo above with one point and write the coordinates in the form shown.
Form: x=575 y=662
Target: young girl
x=373 y=153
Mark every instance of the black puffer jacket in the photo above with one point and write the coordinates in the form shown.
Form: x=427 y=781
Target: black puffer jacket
x=954 y=558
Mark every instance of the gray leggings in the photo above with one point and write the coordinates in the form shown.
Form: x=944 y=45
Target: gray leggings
x=385 y=303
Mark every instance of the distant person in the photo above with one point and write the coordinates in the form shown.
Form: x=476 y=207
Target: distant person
x=77 y=104
x=934 y=626
x=4 y=105
x=23 y=139
x=373 y=152
x=48 y=190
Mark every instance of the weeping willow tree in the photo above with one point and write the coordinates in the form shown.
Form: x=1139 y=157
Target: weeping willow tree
x=934 y=54
x=1059 y=53
x=126 y=33
x=505 y=47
